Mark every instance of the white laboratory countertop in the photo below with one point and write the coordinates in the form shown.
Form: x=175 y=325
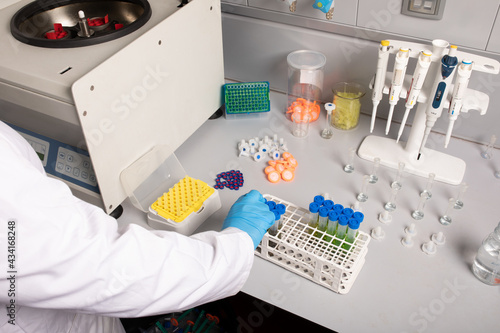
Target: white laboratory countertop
x=398 y=289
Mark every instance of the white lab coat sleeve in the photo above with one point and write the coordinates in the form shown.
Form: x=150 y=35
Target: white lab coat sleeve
x=71 y=255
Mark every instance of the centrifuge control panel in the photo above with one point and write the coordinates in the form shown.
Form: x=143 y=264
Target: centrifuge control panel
x=62 y=160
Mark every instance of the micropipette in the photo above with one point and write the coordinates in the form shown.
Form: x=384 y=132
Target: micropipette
x=398 y=77
x=461 y=82
x=439 y=92
x=378 y=85
x=423 y=64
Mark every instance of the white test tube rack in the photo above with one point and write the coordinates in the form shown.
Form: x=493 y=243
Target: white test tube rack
x=447 y=168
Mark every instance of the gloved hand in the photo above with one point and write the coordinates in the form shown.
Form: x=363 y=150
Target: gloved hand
x=250 y=214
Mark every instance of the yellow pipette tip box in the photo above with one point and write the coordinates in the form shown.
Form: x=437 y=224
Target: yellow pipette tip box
x=184 y=207
x=158 y=185
x=183 y=199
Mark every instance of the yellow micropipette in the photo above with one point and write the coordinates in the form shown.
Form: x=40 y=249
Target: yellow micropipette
x=398 y=77
x=461 y=82
x=423 y=64
x=378 y=85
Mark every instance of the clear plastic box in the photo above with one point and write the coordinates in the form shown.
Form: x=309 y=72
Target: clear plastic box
x=153 y=175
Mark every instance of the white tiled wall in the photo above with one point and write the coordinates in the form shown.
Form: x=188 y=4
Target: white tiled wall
x=345 y=11
x=256 y=48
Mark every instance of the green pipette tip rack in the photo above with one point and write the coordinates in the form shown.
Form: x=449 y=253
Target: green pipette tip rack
x=246 y=98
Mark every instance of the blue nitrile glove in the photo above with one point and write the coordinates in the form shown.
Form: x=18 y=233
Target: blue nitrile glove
x=250 y=214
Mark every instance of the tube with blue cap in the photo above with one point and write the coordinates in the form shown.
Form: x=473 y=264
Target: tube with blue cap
x=328 y=204
x=331 y=228
x=359 y=216
x=352 y=231
x=319 y=199
x=347 y=212
x=322 y=220
x=274 y=228
x=338 y=208
x=341 y=229
x=313 y=215
x=281 y=209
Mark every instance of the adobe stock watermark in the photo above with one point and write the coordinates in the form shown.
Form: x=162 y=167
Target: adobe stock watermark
x=263 y=311
x=123 y=105
x=421 y=319
x=380 y=20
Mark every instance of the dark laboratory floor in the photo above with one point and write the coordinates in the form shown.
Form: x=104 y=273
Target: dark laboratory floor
x=237 y=314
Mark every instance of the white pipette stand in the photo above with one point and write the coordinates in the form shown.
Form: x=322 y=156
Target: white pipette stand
x=447 y=168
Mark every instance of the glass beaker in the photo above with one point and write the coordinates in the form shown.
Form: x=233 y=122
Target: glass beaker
x=305 y=82
x=347 y=100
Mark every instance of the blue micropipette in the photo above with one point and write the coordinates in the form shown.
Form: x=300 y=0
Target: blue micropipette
x=439 y=92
